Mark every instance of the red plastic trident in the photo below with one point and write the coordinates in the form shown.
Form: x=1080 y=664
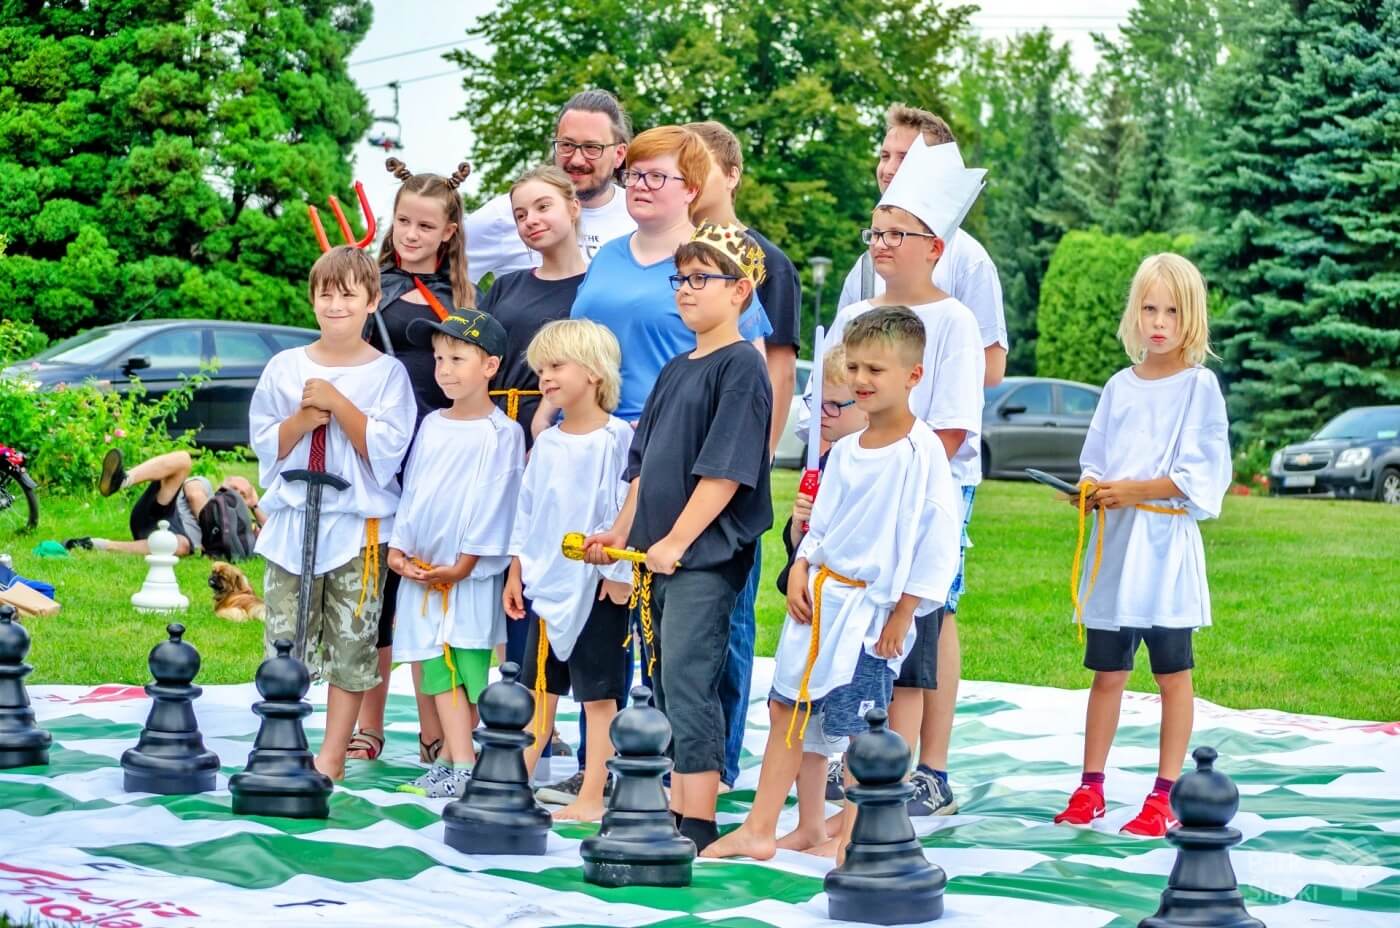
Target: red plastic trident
x=344 y=224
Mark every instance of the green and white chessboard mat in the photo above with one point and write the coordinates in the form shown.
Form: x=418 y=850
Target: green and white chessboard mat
x=1320 y=813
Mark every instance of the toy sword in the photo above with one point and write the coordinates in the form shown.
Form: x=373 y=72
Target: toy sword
x=812 y=476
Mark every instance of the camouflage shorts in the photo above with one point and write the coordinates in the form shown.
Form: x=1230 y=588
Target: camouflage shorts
x=340 y=645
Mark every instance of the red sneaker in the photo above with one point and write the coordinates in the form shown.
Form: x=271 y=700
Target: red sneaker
x=1154 y=820
x=1085 y=805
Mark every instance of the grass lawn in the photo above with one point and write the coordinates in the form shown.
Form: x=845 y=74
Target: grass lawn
x=1304 y=599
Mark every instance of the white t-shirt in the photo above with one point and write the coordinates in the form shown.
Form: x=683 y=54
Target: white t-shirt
x=379 y=389
x=1153 y=571
x=966 y=273
x=459 y=496
x=856 y=533
x=573 y=483
x=494 y=245
x=950 y=394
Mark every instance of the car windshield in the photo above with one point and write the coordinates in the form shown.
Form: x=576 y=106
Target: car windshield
x=1369 y=424
x=992 y=394
x=90 y=347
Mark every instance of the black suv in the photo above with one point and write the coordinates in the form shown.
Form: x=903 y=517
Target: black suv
x=1355 y=456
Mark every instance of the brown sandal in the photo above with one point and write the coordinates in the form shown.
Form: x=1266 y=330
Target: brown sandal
x=428 y=753
x=365 y=744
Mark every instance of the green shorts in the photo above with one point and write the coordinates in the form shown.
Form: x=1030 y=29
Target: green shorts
x=341 y=630
x=472 y=669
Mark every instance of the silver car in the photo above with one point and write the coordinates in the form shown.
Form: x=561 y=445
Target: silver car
x=1036 y=422
x=792 y=448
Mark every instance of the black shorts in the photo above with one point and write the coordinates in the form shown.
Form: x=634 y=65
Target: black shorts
x=387 y=608
x=148 y=512
x=1168 y=649
x=920 y=668
x=596 y=669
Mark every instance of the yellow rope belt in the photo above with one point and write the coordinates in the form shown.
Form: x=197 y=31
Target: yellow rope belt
x=813 y=646
x=369 y=569
x=1086 y=489
x=451 y=669
x=641 y=601
x=443 y=589
x=513 y=399
x=541 y=655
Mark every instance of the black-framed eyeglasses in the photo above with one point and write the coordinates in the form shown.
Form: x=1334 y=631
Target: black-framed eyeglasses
x=697 y=281
x=890 y=238
x=829 y=407
x=652 y=180
x=591 y=150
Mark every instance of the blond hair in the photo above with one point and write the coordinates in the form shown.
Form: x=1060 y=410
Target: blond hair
x=834 y=366
x=344 y=267
x=934 y=130
x=1188 y=293
x=554 y=177
x=896 y=327
x=589 y=345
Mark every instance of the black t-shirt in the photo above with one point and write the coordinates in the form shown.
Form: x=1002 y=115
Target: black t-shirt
x=780 y=292
x=419 y=361
x=705 y=417
x=524 y=304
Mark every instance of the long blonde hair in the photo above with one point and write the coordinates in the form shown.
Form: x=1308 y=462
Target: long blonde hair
x=555 y=177
x=1188 y=292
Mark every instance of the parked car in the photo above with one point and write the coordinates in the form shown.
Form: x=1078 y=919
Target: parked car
x=792 y=448
x=1355 y=456
x=159 y=351
x=1036 y=422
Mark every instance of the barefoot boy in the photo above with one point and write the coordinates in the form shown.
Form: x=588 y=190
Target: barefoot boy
x=364 y=401
x=882 y=548
x=698 y=505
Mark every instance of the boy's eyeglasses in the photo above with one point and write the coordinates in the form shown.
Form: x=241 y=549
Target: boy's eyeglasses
x=829 y=407
x=697 y=281
x=591 y=150
x=890 y=238
x=652 y=180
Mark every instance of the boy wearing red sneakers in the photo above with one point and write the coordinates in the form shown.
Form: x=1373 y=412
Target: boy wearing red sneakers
x=1155 y=462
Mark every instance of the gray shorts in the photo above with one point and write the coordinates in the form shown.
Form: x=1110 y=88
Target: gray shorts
x=842 y=711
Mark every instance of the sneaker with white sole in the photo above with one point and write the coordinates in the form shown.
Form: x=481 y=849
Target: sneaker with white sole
x=419 y=787
x=565 y=792
x=835 y=781
x=932 y=796
x=452 y=786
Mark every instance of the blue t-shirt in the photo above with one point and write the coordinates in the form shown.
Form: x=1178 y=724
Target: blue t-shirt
x=637 y=303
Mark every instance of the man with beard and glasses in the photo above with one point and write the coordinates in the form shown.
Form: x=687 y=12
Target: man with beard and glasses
x=590 y=141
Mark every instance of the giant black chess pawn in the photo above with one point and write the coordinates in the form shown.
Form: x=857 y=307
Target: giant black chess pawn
x=170 y=757
x=638 y=844
x=498 y=813
x=281 y=778
x=1201 y=891
x=22 y=743
x=886 y=880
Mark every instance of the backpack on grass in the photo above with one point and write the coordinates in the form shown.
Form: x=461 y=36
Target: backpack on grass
x=227 y=526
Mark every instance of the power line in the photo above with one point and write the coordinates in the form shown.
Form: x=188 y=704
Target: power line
x=413 y=80
x=416 y=51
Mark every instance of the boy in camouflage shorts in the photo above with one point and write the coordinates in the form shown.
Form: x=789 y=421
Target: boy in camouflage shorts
x=340 y=646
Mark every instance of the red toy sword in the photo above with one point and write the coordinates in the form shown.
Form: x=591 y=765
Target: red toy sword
x=812 y=476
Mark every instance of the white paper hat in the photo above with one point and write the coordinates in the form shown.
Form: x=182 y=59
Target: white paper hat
x=933 y=184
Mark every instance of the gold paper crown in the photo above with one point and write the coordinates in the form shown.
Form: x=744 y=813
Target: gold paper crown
x=737 y=245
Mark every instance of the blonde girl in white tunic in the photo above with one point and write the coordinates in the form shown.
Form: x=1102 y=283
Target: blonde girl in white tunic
x=1155 y=462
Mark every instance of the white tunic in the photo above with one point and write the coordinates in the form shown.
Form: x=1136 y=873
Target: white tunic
x=889 y=516
x=380 y=390
x=1153 y=571
x=950 y=394
x=573 y=483
x=494 y=245
x=459 y=495
x=966 y=273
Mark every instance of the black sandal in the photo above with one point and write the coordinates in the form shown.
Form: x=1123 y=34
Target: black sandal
x=428 y=753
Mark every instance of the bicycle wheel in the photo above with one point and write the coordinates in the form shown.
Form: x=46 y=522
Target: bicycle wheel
x=19 y=506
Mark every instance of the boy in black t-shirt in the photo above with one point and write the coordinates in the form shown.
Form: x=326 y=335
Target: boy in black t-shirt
x=698 y=505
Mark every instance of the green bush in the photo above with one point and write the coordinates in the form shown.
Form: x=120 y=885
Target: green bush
x=1082 y=299
x=20 y=340
x=65 y=432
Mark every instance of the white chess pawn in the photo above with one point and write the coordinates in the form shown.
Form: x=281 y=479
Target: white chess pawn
x=161 y=591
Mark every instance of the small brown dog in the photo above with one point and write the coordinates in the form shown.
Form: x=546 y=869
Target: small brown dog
x=234 y=598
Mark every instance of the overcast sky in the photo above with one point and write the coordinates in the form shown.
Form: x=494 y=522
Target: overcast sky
x=432 y=96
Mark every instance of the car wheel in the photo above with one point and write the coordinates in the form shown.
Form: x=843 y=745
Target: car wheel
x=986 y=461
x=1388 y=487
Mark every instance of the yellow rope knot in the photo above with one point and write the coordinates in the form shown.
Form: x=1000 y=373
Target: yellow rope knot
x=541 y=655
x=641 y=601
x=451 y=669
x=813 y=646
x=444 y=589
x=369 y=570
x=513 y=399
x=1086 y=490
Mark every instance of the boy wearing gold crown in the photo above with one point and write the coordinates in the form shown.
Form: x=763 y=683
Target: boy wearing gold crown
x=698 y=506
x=881 y=549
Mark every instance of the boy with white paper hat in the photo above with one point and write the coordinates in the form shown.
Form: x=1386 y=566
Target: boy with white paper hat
x=918 y=214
